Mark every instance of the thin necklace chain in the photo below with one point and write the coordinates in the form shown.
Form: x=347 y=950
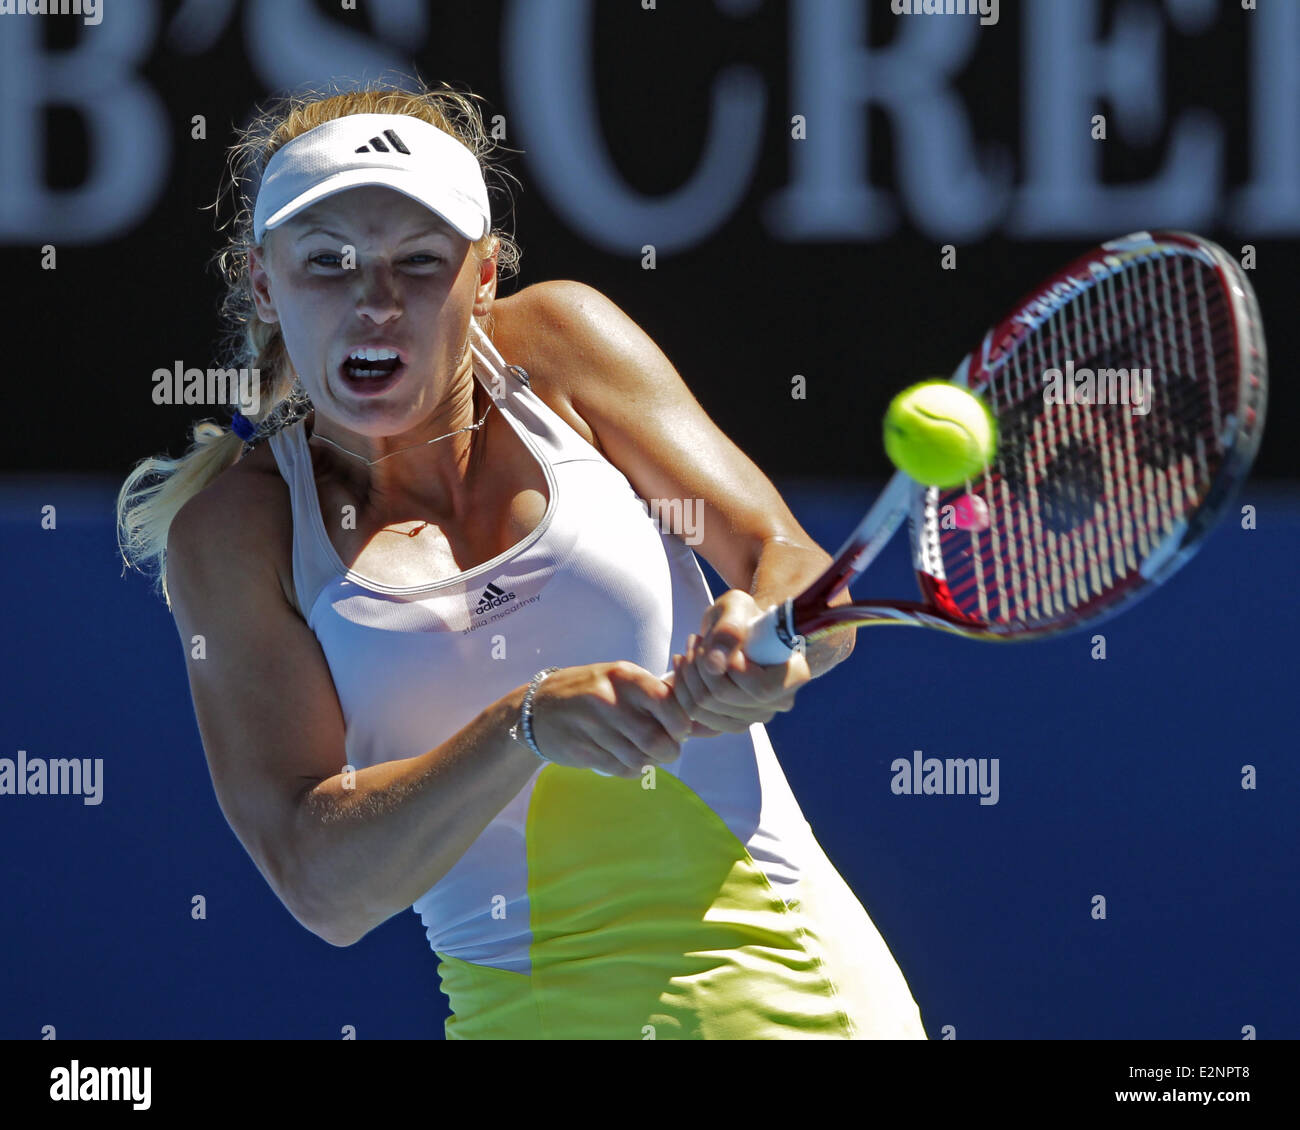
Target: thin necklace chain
x=372 y=462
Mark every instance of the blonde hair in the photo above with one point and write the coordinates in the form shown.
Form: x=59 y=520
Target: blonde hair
x=159 y=486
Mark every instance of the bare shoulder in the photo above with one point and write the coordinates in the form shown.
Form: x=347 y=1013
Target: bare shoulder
x=238 y=527
x=550 y=329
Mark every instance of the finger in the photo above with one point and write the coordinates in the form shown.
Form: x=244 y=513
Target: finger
x=681 y=692
x=683 y=696
x=714 y=725
x=702 y=706
x=723 y=638
x=670 y=715
x=622 y=750
x=746 y=681
x=722 y=693
x=666 y=724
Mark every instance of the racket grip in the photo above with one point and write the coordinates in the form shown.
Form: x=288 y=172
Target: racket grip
x=772 y=636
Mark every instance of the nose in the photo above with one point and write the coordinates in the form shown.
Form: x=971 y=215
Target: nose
x=377 y=298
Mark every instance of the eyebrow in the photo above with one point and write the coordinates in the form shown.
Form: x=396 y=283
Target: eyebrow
x=431 y=229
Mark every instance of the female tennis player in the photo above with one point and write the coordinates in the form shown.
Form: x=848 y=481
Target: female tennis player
x=447 y=657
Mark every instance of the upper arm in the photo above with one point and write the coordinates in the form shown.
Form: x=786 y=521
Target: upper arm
x=265 y=703
x=652 y=428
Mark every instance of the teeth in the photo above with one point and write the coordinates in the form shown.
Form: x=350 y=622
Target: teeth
x=373 y=354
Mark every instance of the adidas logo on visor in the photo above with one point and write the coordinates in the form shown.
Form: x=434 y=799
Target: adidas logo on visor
x=377 y=145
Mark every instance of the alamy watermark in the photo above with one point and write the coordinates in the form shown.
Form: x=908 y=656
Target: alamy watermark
x=92 y=11
x=1098 y=386
x=241 y=388
x=77 y=1083
x=948 y=776
x=681 y=516
x=987 y=10
x=59 y=776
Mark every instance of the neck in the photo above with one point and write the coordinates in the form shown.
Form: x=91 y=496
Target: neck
x=397 y=473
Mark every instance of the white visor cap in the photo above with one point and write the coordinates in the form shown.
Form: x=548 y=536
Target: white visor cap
x=399 y=152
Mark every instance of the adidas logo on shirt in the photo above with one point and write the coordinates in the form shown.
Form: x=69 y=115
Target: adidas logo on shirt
x=493 y=597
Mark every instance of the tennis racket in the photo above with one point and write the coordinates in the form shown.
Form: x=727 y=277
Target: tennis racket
x=1085 y=507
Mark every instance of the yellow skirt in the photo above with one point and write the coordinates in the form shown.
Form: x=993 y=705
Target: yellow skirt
x=651 y=921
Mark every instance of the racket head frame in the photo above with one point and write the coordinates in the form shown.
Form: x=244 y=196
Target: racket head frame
x=921 y=505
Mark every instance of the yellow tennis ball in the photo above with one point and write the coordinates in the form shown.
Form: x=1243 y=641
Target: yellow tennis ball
x=940 y=434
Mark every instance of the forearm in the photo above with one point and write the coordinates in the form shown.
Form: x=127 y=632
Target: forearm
x=365 y=852
x=785 y=569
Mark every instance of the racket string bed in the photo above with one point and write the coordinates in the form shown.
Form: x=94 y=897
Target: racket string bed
x=1082 y=498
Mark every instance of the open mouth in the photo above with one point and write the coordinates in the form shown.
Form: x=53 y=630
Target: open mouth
x=370 y=370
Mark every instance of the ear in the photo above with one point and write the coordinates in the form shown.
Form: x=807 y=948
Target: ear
x=486 y=293
x=261 y=285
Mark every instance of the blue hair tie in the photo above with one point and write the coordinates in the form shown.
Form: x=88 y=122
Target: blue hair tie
x=242 y=426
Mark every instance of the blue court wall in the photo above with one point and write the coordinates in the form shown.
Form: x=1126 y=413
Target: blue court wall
x=1119 y=777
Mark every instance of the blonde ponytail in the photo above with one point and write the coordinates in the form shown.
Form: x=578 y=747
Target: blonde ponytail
x=158 y=487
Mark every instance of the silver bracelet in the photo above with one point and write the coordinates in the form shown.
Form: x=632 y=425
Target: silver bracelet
x=524 y=727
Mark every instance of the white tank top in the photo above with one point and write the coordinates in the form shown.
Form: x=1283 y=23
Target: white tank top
x=596 y=580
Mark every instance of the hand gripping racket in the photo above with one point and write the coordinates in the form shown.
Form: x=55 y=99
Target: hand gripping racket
x=1085 y=507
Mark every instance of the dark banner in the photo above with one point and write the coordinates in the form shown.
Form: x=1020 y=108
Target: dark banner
x=170 y=1078
x=840 y=191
